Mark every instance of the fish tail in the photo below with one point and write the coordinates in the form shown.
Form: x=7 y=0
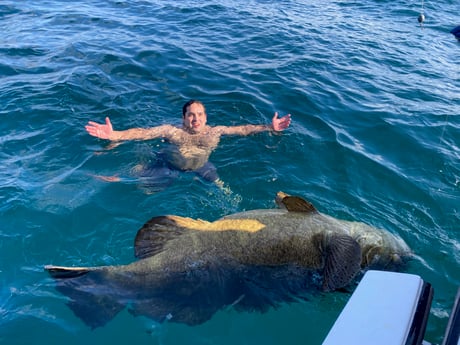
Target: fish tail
x=90 y=299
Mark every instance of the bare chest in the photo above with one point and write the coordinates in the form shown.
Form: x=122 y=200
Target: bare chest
x=207 y=140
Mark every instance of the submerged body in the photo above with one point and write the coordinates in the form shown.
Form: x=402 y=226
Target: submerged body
x=189 y=269
x=456 y=32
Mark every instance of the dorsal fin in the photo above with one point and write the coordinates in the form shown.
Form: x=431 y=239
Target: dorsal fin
x=249 y=225
x=183 y=223
x=295 y=203
x=151 y=238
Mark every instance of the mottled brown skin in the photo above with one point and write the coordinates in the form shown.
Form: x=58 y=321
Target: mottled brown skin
x=188 y=269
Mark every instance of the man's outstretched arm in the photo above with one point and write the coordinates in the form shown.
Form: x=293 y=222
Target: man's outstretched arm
x=277 y=125
x=106 y=131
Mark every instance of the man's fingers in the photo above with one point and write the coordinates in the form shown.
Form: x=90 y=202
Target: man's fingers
x=285 y=121
x=108 y=123
x=287 y=118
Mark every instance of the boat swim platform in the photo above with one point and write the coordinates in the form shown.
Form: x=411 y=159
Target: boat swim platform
x=390 y=308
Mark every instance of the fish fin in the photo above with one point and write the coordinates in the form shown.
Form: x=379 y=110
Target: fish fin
x=294 y=203
x=342 y=261
x=59 y=272
x=152 y=237
x=163 y=310
x=80 y=284
x=94 y=311
x=249 y=225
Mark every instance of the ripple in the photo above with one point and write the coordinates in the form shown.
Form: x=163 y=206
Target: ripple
x=374 y=137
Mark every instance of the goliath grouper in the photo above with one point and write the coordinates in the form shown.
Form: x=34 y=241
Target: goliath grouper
x=189 y=269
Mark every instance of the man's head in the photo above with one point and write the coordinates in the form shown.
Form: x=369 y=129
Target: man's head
x=194 y=116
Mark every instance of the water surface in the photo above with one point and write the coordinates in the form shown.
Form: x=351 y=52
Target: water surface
x=375 y=137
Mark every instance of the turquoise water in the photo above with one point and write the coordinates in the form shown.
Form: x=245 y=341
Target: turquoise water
x=375 y=137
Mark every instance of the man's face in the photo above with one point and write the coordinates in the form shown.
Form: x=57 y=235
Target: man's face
x=195 y=118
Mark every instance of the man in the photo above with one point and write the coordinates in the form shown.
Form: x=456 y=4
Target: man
x=192 y=143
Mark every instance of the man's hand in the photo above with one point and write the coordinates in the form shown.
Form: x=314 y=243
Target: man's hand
x=102 y=131
x=282 y=123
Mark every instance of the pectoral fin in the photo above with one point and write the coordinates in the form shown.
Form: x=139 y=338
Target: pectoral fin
x=342 y=261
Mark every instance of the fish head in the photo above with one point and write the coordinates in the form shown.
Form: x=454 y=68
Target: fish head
x=380 y=249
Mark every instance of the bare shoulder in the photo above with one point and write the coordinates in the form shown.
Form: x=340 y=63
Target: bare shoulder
x=226 y=130
x=218 y=130
x=164 y=131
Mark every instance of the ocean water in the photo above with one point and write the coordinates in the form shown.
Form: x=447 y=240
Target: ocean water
x=375 y=137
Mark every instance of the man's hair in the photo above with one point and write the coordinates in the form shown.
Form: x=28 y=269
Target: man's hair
x=188 y=104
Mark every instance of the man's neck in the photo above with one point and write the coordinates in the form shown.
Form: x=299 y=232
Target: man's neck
x=192 y=131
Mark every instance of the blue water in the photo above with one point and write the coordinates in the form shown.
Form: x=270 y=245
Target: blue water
x=375 y=137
